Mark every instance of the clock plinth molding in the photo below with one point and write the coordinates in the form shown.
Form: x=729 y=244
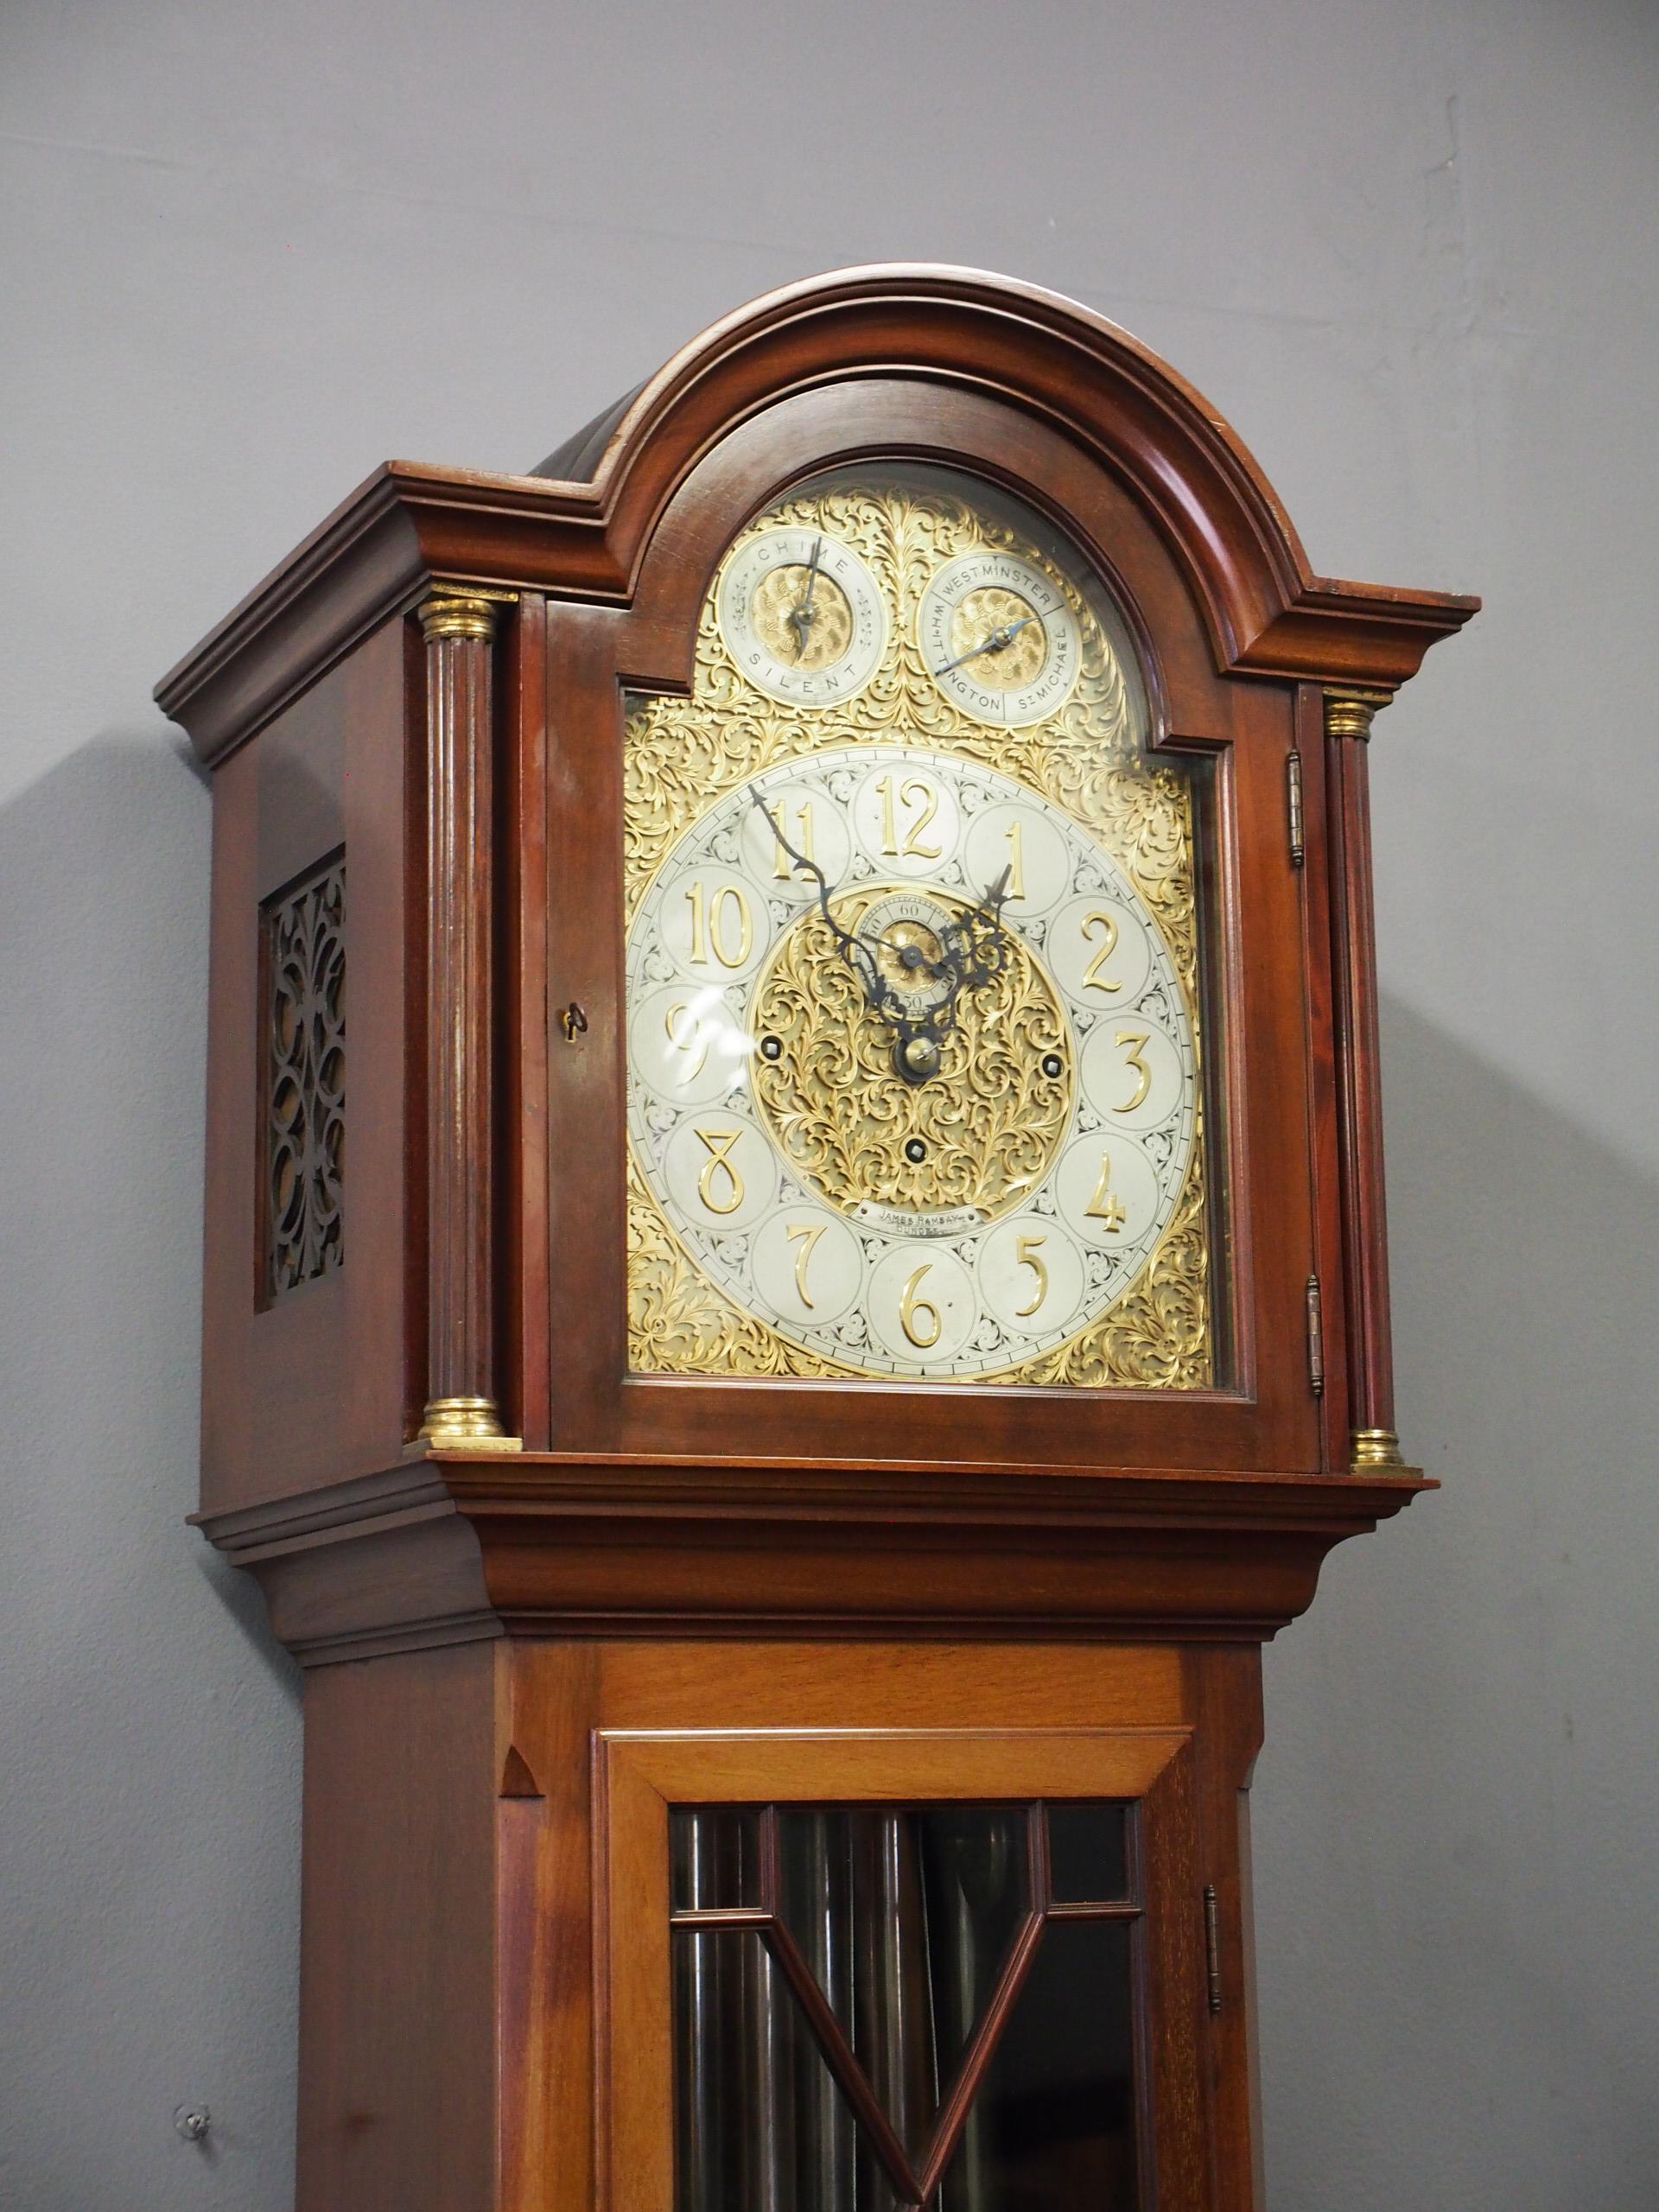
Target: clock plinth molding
x=552 y=1544
x=518 y=1647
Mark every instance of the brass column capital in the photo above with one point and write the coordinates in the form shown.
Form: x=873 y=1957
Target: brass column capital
x=1348 y=713
x=462 y=611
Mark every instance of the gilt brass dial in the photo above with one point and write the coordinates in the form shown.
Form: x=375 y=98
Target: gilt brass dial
x=1057 y=1126
x=914 y=984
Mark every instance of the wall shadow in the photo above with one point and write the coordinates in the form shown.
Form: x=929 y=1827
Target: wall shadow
x=1462 y=1764
x=148 y=1830
x=103 y=913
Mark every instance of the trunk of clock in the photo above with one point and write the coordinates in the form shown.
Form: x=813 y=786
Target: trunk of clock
x=754 y=1836
x=716 y=1924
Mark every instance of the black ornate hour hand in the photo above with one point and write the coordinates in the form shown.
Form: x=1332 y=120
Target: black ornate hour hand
x=973 y=949
x=916 y=1036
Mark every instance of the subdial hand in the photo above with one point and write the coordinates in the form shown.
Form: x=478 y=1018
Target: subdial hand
x=800 y=618
x=996 y=642
x=909 y=955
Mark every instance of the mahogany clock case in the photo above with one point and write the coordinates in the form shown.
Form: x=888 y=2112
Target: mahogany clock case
x=547 y=1602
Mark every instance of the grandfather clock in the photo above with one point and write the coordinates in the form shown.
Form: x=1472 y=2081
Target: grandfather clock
x=796 y=1272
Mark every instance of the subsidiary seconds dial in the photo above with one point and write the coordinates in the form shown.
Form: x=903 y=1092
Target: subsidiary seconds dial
x=999 y=639
x=801 y=617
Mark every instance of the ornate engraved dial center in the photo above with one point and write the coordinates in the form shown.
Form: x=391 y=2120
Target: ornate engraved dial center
x=811 y=633
x=970 y=1144
x=908 y=931
x=1017 y=648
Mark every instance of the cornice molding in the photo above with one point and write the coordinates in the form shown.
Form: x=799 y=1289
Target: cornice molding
x=1268 y=613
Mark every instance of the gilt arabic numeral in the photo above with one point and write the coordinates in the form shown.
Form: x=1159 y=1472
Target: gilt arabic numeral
x=1027 y=1255
x=806 y=1235
x=720 y=1162
x=923 y=1334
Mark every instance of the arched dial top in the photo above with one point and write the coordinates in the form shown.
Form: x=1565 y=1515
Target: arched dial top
x=913 y=967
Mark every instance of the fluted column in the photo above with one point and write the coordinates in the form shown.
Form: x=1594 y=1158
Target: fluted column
x=458 y=623
x=1374 y=1443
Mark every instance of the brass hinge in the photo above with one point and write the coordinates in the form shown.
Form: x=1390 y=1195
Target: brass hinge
x=1315 y=1338
x=1293 y=796
x=1212 y=1944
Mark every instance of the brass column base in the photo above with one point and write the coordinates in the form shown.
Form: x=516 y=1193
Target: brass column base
x=1374 y=1447
x=466 y=1425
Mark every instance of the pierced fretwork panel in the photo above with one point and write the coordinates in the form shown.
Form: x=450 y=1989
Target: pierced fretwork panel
x=302 y=1078
x=879 y=2008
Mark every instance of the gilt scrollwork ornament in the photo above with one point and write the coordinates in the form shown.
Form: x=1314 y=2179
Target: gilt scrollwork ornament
x=679 y=1322
x=983 y=1135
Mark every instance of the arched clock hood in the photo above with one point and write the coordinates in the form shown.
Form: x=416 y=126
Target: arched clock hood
x=1268 y=610
x=581 y=521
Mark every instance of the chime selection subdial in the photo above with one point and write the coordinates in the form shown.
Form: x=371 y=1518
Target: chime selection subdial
x=801 y=617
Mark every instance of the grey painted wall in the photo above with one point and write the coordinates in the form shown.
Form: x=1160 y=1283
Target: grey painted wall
x=1407 y=248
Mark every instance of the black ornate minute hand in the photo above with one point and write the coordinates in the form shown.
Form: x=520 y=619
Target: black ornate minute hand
x=973 y=949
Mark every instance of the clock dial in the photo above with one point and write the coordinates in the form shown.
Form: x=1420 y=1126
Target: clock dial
x=950 y=1227
x=998 y=638
x=801 y=617
x=914 y=982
